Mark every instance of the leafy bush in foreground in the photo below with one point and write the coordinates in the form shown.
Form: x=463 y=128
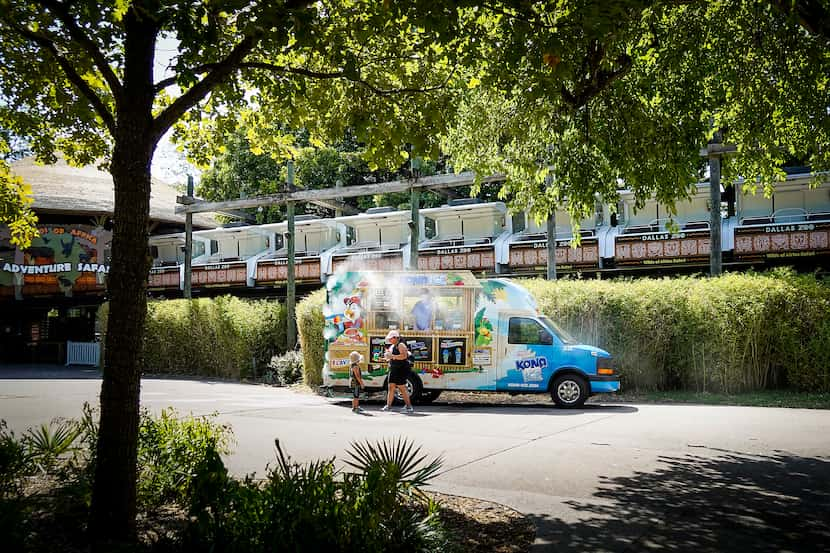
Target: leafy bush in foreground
x=302 y=507
x=177 y=457
x=313 y=507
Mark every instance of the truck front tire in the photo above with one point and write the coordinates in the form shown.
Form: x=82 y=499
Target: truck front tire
x=569 y=391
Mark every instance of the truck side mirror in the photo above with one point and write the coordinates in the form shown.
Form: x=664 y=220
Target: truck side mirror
x=545 y=338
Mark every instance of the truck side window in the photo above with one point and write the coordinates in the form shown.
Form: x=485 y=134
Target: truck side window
x=527 y=331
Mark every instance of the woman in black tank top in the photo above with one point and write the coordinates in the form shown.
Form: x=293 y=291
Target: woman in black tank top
x=398 y=357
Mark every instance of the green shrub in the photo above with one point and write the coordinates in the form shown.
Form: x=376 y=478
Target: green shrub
x=310 y=323
x=14 y=460
x=14 y=464
x=179 y=459
x=313 y=507
x=224 y=337
x=287 y=368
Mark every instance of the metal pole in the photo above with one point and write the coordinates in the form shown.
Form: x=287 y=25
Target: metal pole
x=552 y=244
x=188 y=242
x=715 y=261
x=337 y=185
x=291 y=290
x=414 y=229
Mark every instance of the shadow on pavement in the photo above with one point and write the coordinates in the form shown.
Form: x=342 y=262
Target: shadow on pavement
x=48 y=372
x=501 y=409
x=734 y=502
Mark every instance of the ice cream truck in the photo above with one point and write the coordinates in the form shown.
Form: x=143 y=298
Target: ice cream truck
x=463 y=334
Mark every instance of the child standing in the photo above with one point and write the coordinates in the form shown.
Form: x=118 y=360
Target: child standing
x=355 y=380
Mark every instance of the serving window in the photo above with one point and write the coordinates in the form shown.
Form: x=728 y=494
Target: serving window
x=451 y=313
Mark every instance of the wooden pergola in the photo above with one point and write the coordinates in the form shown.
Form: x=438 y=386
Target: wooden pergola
x=331 y=197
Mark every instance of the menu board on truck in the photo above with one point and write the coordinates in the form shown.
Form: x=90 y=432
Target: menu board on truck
x=452 y=351
x=421 y=348
x=377 y=346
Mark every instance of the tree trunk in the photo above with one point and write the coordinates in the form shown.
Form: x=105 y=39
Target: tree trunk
x=114 y=494
x=112 y=517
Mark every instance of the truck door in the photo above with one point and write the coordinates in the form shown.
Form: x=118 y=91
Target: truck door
x=527 y=350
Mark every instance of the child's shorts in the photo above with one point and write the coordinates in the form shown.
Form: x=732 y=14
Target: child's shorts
x=356 y=391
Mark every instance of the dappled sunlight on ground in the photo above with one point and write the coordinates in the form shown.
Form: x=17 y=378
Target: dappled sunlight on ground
x=731 y=502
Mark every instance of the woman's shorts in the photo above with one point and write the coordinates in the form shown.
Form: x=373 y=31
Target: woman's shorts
x=398 y=376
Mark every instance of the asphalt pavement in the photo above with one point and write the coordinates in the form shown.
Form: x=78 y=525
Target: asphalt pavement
x=603 y=478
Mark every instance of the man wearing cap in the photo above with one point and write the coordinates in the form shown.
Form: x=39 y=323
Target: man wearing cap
x=398 y=357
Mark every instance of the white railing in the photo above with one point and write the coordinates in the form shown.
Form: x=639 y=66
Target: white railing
x=83 y=353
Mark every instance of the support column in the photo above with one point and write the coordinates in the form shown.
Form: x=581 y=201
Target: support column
x=552 y=245
x=414 y=229
x=715 y=260
x=291 y=289
x=188 y=242
x=338 y=184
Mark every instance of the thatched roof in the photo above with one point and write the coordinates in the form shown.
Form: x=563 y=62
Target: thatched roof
x=61 y=188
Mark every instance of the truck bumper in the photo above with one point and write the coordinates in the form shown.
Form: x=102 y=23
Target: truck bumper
x=604 y=384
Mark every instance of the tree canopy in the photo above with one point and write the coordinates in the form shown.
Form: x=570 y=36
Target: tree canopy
x=15 y=207
x=604 y=95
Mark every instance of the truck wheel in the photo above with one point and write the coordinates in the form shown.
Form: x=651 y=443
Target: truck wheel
x=428 y=396
x=413 y=387
x=569 y=391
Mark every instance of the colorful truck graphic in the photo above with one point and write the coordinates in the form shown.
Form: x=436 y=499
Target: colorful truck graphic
x=464 y=334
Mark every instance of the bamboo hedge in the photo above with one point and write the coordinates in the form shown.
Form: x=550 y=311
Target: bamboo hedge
x=738 y=332
x=310 y=323
x=224 y=337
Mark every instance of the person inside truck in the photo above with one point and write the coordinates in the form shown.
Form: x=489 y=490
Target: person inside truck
x=422 y=311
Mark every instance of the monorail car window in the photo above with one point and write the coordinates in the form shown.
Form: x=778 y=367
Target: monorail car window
x=429 y=228
x=518 y=221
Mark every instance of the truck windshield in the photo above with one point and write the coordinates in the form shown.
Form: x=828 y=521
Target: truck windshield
x=561 y=334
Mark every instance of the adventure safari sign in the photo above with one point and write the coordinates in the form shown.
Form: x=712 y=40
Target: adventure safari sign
x=62 y=259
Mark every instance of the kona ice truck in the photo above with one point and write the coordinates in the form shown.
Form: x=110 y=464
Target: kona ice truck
x=463 y=334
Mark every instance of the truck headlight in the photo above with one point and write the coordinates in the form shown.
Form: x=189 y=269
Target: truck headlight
x=605 y=366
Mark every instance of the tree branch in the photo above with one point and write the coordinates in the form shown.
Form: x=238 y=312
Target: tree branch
x=322 y=75
x=49 y=45
x=86 y=43
x=218 y=72
x=811 y=15
x=598 y=81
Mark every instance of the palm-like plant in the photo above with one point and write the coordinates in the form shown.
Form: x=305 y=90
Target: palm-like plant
x=49 y=442
x=399 y=457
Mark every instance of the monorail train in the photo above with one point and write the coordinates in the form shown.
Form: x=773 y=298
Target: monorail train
x=485 y=238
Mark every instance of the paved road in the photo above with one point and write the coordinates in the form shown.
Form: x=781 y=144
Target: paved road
x=605 y=478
